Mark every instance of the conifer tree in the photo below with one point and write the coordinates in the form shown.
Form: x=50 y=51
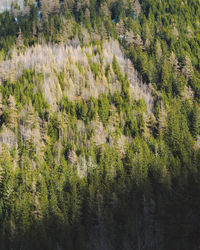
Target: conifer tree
x=1 y=105
x=195 y=122
x=20 y=40
x=12 y=113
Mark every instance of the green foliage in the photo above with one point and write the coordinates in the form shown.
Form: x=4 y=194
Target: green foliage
x=136 y=175
x=24 y=91
x=81 y=110
x=53 y=128
x=116 y=69
x=95 y=67
x=103 y=109
x=194 y=121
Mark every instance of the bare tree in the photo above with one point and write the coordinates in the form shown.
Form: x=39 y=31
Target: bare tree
x=188 y=68
x=12 y=115
x=136 y=7
x=20 y=40
x=158 y=50
x=174 y=61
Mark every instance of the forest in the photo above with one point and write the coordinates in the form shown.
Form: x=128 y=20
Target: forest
x=100 y=125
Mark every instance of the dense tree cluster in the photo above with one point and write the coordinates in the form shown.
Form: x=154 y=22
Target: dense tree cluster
x=100 y=146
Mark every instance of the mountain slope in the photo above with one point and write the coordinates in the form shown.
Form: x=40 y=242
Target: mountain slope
x=100 y=125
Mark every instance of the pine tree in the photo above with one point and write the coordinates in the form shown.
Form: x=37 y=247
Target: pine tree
x=69 y=6
x=120 y=28
x=45 y=9
x=1 y=106
x=136 y=7
x=4 y=153
x=188 y=68
x=104 y=109
x=158 y=51
x=30 y=116
x=12 y=113
x=20 y=40
x=56 y=6
x=162 y=120
x=195 y=122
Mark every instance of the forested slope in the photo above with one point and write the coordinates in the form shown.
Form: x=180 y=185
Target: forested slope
x=99 y=125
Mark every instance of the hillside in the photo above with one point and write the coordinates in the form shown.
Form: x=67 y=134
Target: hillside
x=6 y=4
x=100 y=125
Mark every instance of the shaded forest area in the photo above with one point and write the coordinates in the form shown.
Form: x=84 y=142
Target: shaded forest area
x=99 y=125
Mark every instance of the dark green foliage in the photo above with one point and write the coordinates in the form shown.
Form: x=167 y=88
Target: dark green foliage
x=195 y=121
x=53 y=128
x=103 y=108
x=24 y=91
x=92 y=109
x=116 y=69
x=81 y=110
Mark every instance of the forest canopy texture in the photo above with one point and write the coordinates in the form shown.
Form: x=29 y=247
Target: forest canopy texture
x=100 y=125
